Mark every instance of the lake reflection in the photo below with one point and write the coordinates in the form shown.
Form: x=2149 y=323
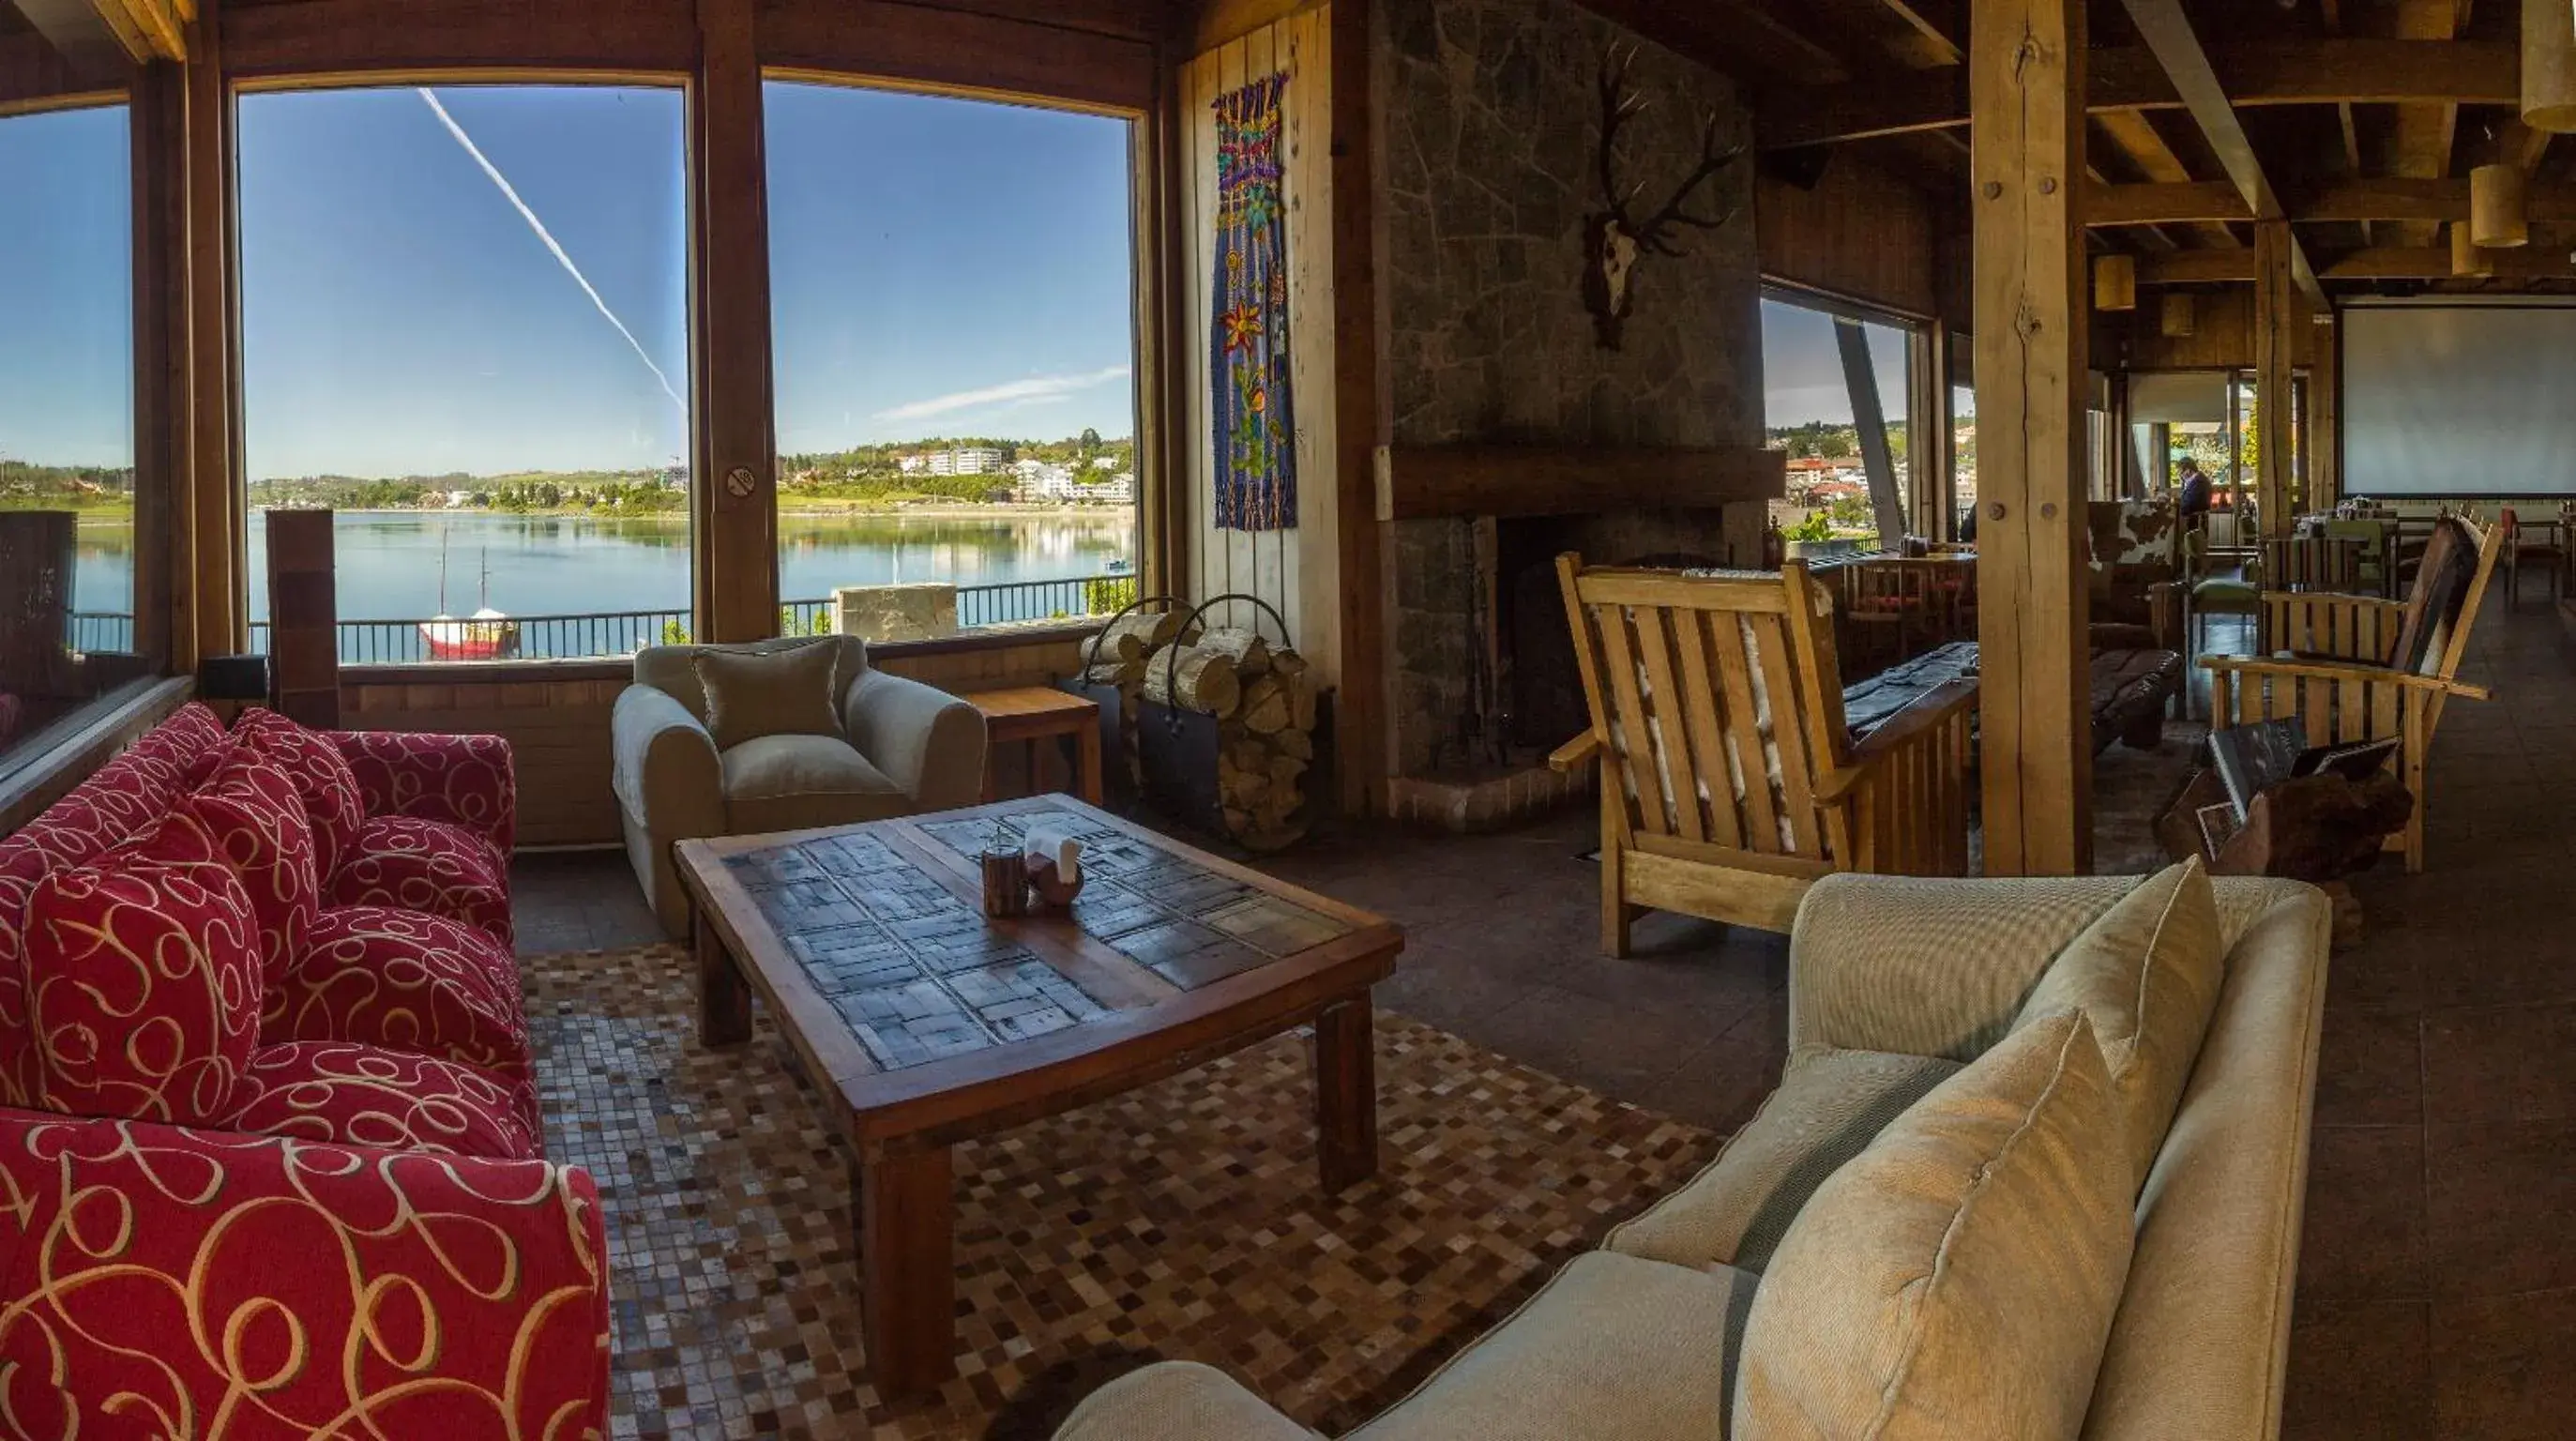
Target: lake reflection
x=390 y=563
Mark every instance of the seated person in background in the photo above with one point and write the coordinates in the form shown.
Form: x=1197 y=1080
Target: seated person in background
x=2195 y=490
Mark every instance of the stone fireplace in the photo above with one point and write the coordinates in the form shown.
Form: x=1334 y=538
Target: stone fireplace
x=1516 y=434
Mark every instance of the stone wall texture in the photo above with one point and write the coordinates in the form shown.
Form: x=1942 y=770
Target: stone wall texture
x=1492 y=117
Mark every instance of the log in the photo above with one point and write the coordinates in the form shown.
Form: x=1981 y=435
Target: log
x=1189 y=678
x=1296 y=742
x=1266 y=715
x=1139 y=632
x=1249 y=652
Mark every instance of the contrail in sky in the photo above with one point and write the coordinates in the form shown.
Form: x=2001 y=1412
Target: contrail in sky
x=1035 y=390
x=512 y=195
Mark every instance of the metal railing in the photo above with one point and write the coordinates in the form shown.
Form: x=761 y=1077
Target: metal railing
x=607 y=634
x=99 y=632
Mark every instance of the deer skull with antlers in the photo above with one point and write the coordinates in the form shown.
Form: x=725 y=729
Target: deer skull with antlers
x=1614 y=240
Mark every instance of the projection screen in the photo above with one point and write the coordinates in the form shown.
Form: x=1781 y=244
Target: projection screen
x=2459 y=400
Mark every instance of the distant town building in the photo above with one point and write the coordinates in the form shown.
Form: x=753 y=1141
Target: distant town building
x=1104 y=462
x=1036 y=481
x=1119 y=489
x=962 y=460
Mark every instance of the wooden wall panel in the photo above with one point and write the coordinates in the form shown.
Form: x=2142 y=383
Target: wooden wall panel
x=1859 y=233
x=2222 y=335
x=35 y=76
x=952 y=48
x=1302 y=582
x=327 y=38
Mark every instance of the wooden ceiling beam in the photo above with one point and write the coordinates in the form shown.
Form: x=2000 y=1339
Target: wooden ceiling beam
x=2168 y=33
x=159 y=27
x=2198 y=267
x=2433 y=262
x=2174 y=203
x=1943 y=28
x=2345 y=201
x=2420 y=145
x=2378 y=263
x=2347 y=121
x=2313 y=72
x=2153 y=156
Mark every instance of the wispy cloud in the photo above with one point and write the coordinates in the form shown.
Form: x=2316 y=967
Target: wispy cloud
x=511 y=194
x=1037 y=390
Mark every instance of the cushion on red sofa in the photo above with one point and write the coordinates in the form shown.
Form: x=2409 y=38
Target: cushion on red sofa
x=143 y=980
x=183 y=748
x=428 y=866
x=464 y=780
x=166 y=1278
x=352 y=1095
x=404 y=980
x=321 y=776
x=257 y=817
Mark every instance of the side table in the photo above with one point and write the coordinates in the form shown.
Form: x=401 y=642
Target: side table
x=1032 y=713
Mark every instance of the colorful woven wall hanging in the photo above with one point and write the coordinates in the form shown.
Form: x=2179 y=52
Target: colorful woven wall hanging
x=1256 y=430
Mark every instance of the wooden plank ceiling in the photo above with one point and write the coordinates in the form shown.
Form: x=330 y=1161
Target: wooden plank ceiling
x=2359 y=119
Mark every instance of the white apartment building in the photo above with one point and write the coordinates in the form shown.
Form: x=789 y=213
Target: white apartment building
x=964 y=460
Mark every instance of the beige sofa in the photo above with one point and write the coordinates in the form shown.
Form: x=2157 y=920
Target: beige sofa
x=1896 y=984
x=904 y=748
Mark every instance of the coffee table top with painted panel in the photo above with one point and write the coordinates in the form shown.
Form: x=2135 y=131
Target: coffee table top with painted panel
x=936 y=1022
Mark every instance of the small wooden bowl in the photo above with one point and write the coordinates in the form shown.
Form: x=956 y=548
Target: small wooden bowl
x=1053 y=893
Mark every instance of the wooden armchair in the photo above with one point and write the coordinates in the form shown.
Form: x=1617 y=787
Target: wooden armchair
x=2358 y=668
x=1729 y=781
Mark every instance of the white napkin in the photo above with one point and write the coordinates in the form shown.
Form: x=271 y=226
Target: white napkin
x=1056 y=845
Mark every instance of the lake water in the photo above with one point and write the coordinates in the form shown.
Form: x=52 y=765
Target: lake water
x=389 y=562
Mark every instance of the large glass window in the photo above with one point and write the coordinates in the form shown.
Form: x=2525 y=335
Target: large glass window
x=68 y=632
x=953 y=291
x=465 y=328
x=1837 y=386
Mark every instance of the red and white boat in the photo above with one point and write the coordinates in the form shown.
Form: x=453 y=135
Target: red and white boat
x=488 y=634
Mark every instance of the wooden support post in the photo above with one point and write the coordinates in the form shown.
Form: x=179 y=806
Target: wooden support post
x=735 y=481
x=1363 y=406
x=165 y=625
x=218 y=506
x=2027 y=163
x=2277 y=318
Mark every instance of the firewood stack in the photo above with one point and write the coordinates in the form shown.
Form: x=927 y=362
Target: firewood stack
x=1264 y=702
x=1119 y=660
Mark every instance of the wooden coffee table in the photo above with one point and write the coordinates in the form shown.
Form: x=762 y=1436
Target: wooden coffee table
x=929 y=1023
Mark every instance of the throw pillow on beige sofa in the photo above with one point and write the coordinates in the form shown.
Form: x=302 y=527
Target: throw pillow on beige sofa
x=2147 y=974
x=1957 y=1278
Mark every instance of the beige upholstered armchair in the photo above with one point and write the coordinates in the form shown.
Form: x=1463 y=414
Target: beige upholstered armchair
x=897 y=747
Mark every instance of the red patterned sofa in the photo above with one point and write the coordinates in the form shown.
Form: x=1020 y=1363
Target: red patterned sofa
x=271 y=1160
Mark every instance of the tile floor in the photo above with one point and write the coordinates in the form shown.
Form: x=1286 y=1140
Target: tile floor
x=2437 y=1288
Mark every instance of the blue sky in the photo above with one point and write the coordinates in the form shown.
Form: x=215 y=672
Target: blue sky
x=66 y=300
x=940 y=267
x=1802 y=367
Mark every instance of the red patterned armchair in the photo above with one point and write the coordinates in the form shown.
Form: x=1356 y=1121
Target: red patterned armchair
x=271 y=1161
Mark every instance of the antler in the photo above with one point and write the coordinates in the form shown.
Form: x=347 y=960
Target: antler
x=1618 y=107
x=1653 y=234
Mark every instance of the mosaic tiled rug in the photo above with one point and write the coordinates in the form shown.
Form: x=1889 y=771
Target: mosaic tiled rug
x=1179 y=1221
